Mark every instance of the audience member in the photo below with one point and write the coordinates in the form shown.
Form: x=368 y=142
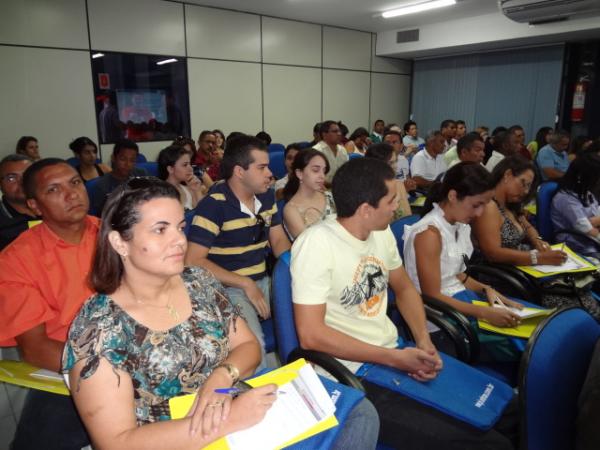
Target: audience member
x=28 y=146
x=289 y=154
x=206 y=156
x=461 y=129
x=358 y=141
x=187 y=143
x=377 y=133
x=219 y=144
x=411 y=139
x=86 y=151
x=541 y=140
x=394 y=138
x=342 y=310
x=428 y=163
x=385 y=152
x=448 y=130
x=469 y=148
x=553 y=159
x=505 y=144
x=316 y=134
x=43 y=277
x=175 y=168
x=15 y=214
x=265 y=137
x=330 y=146
x=575 y=205
x=307 y=201
x=519 y=134
x=489 y=143
x=123 y=160
x=578 y=146
x=233 y=225
x=344 y=133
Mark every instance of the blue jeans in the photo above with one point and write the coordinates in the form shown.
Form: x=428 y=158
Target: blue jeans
x=361 y=428
x=238 y=297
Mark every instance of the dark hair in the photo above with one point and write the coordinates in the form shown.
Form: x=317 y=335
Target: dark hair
x=581 y=177
x=461 y=122
x=292 y=146
x=181 y=141
x=408 y=124
x=540 y=137
x=501 y=139
x=234 y=135
x=577 y=144
x=343 y=128
x=499 y=129
x=517 y=164
x=377 y=121
x=30 y=173
x=317 y=128
x=121 y=213
x=203 y=134
x=123 y=144
x=380 y=151
x=393 y=132
x=466 y=179
x=265 y=137
x=14 y=157
x=514 y=128
x=237 y=153
x=466 y=142
x=359 y=132
x=446 y=123
x=325 y=126
x=167 y=158
x=360 y=180
x=301 y=161
x=558 y=136
x=220 y=133
x=78 y=144
x=22 y=143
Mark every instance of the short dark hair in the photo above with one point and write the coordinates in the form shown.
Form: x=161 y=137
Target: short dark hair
x=558 y=136
x=14 y=157
x=203 y=134
x=343 y=128
x=499 y=129
x=237 y=153
x=461 y=122
x=317 y=127
x=233 y=135
x=180 y=141
x=123 y=144
x=120 y=214
x=380 y=151
x=389 y=132
x=30 y=173
x=446 y=123
x=408 y=124
x=22 y=143
x=167 y=158
x=360 y=180
x=78 y=144
x=301 y=160
x=467 y=141
x=377 y=121
x=514 y=128
x=325 y=126
x=500 y=140
x=292 y=146
x=265 y=137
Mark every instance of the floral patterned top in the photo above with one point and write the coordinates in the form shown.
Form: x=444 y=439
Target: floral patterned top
x=161 y=364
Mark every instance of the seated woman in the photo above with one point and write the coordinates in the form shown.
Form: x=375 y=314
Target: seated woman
x=307 y=202
x=220 y=144
x=358 y=142
x=190 y=146
x=386 y=153
x=174 y=167
x=504 y=235
x=156 y=330
x=435 y=248
x=86 y=152
x=575 y=207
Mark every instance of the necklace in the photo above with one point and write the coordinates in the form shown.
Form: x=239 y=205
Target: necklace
x=169 y=306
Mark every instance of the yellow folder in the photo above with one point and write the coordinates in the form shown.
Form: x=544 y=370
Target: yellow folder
x=524 y=330
x=19 y=373
x=181 y=405
x=586 y=266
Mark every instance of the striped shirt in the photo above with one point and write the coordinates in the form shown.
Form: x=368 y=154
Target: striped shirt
x=236 y=240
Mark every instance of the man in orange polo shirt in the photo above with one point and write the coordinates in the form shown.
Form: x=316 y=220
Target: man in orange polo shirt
x=43 y=283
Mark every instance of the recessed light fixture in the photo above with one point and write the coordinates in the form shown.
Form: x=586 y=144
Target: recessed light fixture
x=97 y=55
x=166 y=61
x=419 y=7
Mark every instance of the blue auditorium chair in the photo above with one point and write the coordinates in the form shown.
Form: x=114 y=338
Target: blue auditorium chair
x=277 y=164
x=355 y=155
x=150 y=167
x=90 y=187
x=276 y=148
x=140 y=158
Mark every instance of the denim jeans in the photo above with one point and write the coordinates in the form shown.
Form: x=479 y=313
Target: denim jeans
x=238 y=297
x=361 y=428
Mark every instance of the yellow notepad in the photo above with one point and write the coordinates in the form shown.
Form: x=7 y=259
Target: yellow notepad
x=181 y=405
x=19 y=373
x=419 y=201
x=524 y=330
x=574 y=264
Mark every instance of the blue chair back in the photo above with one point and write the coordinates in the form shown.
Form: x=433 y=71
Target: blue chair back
x=140 y=158
x=150 y=167
x=73 y=161
x=189 y=216
x=545 y=194
x=276 y=148
x=355 y=155
x=304 y=144
x=90 y=187
x=277 y=164
x=283 y=308
x=397 y=227
x=553 y=369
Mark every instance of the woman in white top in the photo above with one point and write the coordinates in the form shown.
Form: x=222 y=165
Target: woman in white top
x=174 y=166
x=307 y=200
x=436 y=247
x=358 y=142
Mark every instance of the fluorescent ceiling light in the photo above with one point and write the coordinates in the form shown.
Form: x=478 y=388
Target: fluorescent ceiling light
x=419 y=7
x=97 y=55
x=166 y=61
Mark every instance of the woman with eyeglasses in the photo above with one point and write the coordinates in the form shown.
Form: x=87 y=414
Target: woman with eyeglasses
x=436 y=247
x=156 y=330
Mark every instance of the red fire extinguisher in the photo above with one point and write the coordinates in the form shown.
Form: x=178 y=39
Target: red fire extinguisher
x=578 y=107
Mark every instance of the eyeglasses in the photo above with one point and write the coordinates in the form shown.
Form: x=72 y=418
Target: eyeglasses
x=525 y=185
x=260 y=227
x=12 y=177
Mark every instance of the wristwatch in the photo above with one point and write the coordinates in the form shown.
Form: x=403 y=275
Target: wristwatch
x=533 y=254
x=233 y=372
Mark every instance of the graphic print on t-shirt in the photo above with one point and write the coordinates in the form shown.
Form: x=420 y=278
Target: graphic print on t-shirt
x=369 y=284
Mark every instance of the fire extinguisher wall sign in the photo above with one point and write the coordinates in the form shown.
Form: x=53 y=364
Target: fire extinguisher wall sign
x=578 y=108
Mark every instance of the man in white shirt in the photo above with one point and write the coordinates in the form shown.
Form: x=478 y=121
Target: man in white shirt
x=330 y=146
x=448 y=130
x=468 y=148
x=429 y=162
x=402 y=166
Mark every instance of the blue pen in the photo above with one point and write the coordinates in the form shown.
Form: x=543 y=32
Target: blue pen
x=234 y=392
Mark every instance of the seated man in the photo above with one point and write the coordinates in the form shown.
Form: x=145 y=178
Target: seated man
x=505 y=144
x=470 y=147
x=329 y=145
x=15 y=215
x=123 y=160
x=42 y=286
x=402 y=166
x=233 y=225
x=340 y=273
x=429 y=162
x=553 y=159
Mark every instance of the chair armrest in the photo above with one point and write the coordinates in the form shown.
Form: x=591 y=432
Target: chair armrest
x=576 y=233
x=510 y=275
x=340 y=372
x=461 y=345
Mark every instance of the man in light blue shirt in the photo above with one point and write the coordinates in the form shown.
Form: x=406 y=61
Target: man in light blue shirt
x=552 y=158
x=411 y=140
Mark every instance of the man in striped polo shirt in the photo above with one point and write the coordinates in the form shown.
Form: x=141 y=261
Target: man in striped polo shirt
x=234 y=224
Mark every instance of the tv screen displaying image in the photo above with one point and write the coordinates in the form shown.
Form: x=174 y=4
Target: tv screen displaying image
x=141 y=106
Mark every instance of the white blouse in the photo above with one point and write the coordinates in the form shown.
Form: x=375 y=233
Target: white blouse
x=456 y=242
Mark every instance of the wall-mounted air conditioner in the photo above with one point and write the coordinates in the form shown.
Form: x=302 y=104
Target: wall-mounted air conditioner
x=545 y=11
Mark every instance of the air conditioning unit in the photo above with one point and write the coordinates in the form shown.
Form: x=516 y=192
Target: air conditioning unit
x=545 y=11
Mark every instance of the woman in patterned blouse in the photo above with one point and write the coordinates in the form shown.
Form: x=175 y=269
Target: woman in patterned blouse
x=156 y=330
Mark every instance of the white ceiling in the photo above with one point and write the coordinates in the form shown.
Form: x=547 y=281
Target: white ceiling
x=357 y=14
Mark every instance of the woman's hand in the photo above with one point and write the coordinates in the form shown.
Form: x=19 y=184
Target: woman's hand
x=250 y=408
x=209 y=408
x=552 y=257
x=541 y=246
x=500 y=317
x=194 y=183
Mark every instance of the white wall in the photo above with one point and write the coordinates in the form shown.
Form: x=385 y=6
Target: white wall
x=245 y=71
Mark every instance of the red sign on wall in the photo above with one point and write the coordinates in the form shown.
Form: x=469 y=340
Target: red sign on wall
x=104 y=81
